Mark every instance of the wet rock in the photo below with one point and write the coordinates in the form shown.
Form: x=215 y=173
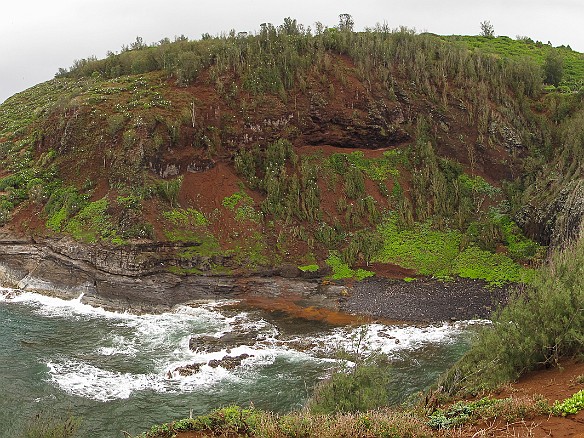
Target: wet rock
x=289 y=271
x=229 y=362
x=186 y=370
x=228 y=341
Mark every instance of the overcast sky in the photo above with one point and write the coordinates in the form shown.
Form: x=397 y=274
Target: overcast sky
x=39 y=36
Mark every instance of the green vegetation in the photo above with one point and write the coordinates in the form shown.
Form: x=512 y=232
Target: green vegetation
x=378 y=169
x=309 y=268
x=542 y=323
x=243 y=206
x=92 y=222
x=122 y=124
x=169 y=190
x=569 y=406
x=341 y=270
x=441 y=254
x=465 y=412
x=186 y=217
x=47 y=426
x=548 y=57
x=111 y=143
x=361 y=382
x=250 y=422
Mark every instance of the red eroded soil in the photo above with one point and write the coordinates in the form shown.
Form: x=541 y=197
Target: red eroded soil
x=389 y=270
x=553 y=384
x=206 y=192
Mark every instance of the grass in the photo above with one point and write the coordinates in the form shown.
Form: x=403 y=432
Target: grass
x=377 y=169
x=380 y=423
x=237 y=421
x=342 y=271
x=186 y=217
x=506 y=47
x=542 y=323
x=439 y=253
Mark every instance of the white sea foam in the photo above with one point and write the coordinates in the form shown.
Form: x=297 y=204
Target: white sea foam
x=387 y=339
x=162 y=342
x=57 y=307
x=85 y=380
x=118 y=345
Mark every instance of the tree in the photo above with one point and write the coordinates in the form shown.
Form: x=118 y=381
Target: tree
x=553 y=68
x=138 y=44
x=487 y=29
x=346 y=22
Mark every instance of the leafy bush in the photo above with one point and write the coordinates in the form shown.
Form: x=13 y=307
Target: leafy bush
x=169 y=190
x=464 y=412
x=342 y=270
x=459 y=413
x=44 y=426
x=571 y=405
x=542 y=324
x=362 y=388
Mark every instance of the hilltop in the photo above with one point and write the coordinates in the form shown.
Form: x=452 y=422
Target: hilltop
x=333 y=151
x=287 y=161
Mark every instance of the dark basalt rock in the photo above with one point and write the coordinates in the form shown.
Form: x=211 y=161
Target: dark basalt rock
x=229 y=362
x=557 y=222
x=229 y=341
x=186 y=370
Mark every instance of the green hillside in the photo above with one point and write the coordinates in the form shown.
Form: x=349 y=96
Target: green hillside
x=331 y=147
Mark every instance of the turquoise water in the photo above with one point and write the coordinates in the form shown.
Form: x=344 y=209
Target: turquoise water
x=117 y=371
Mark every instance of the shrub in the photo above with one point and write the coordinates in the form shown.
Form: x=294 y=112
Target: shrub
x=169 y=190
x=571 y=405
x=44 y=426
x=341 y=270
x=360 y=389
x=542 y=324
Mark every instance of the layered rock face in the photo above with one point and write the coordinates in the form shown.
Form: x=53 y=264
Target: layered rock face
x=133 y=277
x=559 y=221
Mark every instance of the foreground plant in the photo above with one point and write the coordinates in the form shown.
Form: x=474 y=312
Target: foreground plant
x=46 y=426
x=237 y=421
x=571 y=405
x=542 y=325
x=468 y=412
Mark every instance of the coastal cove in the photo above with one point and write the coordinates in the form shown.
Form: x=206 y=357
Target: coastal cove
x=127 y=367
x=121 y=371
x=136 y=278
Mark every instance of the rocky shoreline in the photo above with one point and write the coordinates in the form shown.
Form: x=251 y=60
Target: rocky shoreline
x=136 y=278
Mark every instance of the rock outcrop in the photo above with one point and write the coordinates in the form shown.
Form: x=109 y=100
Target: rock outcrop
x=134 y=277
x=558 y=221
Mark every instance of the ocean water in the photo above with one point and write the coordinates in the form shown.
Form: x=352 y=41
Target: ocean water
x=117 y=371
